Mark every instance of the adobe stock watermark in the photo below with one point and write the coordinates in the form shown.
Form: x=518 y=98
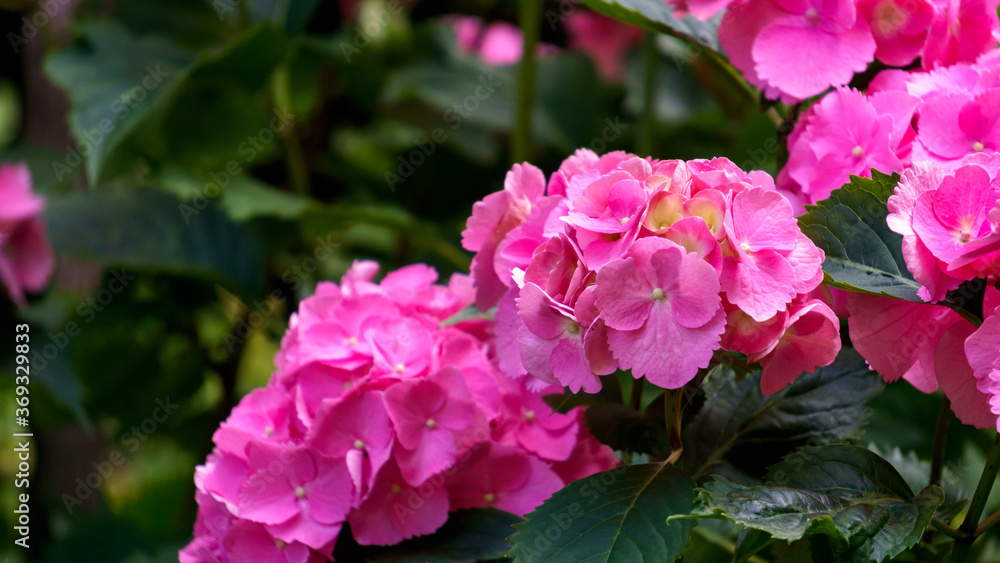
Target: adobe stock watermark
x=121 y=109
x=131 y=440
x=32 y=24
x=249 y=149
x=454 y=116
x=86 y=312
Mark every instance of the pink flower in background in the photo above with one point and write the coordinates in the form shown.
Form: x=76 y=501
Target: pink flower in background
x=381 y=416
x=497 y=43
x=26 y=260
x=944 y=116
x=636 y=276
x=899 y=27
x=960 y=32
x=795 y=49
x=604 y=39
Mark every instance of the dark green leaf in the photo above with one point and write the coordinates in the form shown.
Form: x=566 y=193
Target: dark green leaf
x=845 y=492
x=626 y=429
x=862 y=253
x=117 y=82
x=749 y=544
x=658 y=16
x=614 y=516
x=469 y=535
x=740 y=431
x=155 y=231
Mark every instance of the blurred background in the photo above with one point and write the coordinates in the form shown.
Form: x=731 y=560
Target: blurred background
x=206 y=162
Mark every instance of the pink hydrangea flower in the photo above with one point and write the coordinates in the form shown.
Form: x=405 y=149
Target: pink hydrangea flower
x=795 y=49
x=920 y=343
x=948 y=236
x=899 y=27
x=961 y=31
x=503 y=477
x=810 y=339
x=383 y=413
x=26 y=260
x=582 y=305
x=845 y=134
x=492 y=218
x=661 y=302
x=983 y=352
x=605 y=40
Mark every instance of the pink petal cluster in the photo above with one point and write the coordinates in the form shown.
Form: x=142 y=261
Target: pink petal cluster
x=795 y=49
x=932 y=347
x=942 y=116
x=620 y=262
x=26 y=260
x=605 y=40
x=496 y=43
x=982 y=348
x=950 y=223
x=385 y=414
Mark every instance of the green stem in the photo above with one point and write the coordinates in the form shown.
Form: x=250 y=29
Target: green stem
x=990 y=521
x=647 y=125
x=940 y=440
x=635 y=397
x=531 y=24
x=298 y=169
x=674 y=414
x=969 y=525
x=945 y=529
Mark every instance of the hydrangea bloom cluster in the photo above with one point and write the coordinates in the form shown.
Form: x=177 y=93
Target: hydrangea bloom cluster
x=26 y=260
x=621 y=262
x=927 y=346
x=950 y=222
x=939 y=116
x=982 y=348
x=383 y=416
x=795 y=49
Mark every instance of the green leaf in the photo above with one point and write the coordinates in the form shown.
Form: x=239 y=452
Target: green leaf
x=614 y=516
x=155 y=231
x=740 y=431
x=862 y=253
x=845 y=492
x=118 y=83
x=658 y=16
x=750 y=543
x=469 y=535
x=626 y=429
x=241 y=196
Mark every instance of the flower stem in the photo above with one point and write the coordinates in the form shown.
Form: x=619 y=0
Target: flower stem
x=531 y=23
x=298 y=169
x=674 y=414
x=940 y=440
x=647 y=125
x=971 y=522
